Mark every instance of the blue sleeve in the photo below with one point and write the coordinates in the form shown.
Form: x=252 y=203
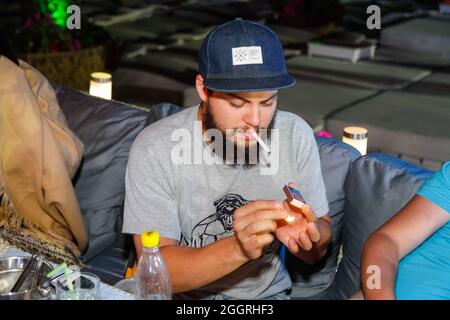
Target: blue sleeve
x=437 y=188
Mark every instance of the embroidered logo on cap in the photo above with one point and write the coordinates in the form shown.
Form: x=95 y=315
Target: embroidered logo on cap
x=246 y=55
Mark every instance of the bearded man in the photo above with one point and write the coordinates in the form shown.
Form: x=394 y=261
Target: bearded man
x=222 y=219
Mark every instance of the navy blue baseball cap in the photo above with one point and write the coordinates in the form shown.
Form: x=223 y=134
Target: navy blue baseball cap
x=241 y=56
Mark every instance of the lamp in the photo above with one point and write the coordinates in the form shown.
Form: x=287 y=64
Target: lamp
x=101 y=85
x=356 y=137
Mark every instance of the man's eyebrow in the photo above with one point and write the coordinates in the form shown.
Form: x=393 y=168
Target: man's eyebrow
x=234 y=95
x=276 y=94
x=241 y=98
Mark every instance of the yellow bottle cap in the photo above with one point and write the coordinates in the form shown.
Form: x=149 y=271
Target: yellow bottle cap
x=150 y=239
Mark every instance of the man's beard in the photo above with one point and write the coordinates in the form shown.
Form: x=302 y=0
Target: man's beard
x=208 y=122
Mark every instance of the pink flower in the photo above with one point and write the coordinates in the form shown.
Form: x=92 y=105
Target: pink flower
x=324 y=134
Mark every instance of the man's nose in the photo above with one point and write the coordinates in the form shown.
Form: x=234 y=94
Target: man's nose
x=252 y=117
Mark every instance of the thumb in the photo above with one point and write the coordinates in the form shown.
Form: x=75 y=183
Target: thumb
x=308 y=213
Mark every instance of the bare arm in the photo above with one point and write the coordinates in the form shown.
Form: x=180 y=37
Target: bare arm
x=191 y=268
x=417 y=221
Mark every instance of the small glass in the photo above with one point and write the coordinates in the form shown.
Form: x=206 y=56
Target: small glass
x=85 y=287
x=127 y=285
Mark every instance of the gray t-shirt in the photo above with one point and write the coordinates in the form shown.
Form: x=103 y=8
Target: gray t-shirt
x=193 y=203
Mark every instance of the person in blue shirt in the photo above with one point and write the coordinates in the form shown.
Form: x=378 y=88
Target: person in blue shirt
x=412 y=250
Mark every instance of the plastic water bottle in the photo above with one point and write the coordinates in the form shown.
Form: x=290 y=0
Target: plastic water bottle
x=153 y=281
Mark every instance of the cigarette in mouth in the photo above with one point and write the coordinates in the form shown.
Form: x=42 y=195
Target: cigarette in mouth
x=261 y=142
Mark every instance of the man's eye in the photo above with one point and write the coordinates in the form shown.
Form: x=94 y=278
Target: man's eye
x=267 y=104
x=236 y=105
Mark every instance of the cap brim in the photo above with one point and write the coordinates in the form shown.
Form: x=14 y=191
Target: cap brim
x=250 y=84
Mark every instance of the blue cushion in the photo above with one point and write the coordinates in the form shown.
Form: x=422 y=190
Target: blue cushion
x=161 y=110
x=377 y=187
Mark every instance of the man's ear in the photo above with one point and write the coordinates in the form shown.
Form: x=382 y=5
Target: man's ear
x=201 y=89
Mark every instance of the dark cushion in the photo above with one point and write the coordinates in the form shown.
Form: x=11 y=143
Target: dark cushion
x=107 y=130
x=161 y=110
x=111 y=265
x=377 y=187
x=311 y=281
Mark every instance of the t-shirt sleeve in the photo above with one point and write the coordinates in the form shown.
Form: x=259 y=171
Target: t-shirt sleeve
x=310 y=179
x=150 y=202
x=437 y=188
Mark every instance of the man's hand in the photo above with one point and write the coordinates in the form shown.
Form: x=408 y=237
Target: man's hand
x=305 y=239
x=300 y=233
x=254 y=224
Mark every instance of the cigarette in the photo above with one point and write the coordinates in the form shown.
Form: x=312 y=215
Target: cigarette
x=261 y=142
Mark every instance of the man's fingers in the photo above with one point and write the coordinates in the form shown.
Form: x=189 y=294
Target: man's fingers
x=242 y=222
x=293 y=246
x=313 y=232
x=269 y=214
x=308 y=213
x=255 y=243
x=258 y=205
x=260 y=227
x=305 y=242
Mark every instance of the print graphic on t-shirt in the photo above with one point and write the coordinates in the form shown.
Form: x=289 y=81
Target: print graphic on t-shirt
x=218 y=225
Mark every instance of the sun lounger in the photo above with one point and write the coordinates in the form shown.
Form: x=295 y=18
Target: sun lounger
x=365 y=74
x=314 y=99
x=408 y=125
x=430 y=34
